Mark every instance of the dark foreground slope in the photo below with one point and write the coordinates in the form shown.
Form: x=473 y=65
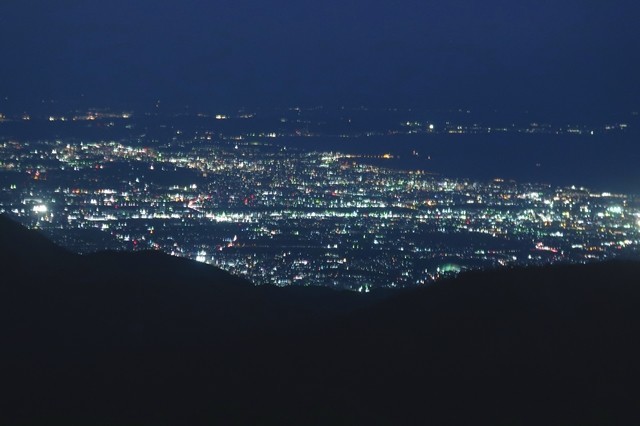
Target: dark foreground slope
x=145 y=338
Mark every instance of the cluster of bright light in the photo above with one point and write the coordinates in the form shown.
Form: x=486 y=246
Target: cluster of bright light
x=615 y=209
x=202 y=256
x=40 y=208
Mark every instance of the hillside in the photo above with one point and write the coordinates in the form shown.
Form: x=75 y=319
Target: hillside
x=146 y=338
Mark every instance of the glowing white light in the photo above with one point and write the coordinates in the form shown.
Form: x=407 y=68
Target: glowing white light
x=40 y=208
x=615 y=209
x=431 y=127
x=202 y=256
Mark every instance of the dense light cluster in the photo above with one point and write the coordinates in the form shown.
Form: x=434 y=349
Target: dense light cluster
x=285 y=216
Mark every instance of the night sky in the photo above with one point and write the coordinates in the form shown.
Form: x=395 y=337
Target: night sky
x=544 y=55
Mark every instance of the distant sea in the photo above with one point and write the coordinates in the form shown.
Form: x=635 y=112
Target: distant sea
x=601 y=162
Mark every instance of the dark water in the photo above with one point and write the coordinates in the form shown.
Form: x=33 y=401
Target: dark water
x=603 y=162
x=600 y=162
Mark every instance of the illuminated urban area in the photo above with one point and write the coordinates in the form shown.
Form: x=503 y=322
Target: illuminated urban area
x=290 y=216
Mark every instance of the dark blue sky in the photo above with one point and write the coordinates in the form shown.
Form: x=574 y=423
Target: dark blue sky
x=546 y=55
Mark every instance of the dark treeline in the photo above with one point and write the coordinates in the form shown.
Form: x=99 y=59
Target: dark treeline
x=145 y=338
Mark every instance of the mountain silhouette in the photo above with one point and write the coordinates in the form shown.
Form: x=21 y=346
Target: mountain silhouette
x=146 y=338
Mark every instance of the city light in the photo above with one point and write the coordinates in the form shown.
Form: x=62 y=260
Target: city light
x=287 y=216
x=40 y=208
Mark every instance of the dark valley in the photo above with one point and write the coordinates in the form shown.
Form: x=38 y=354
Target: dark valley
x=146 y=338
